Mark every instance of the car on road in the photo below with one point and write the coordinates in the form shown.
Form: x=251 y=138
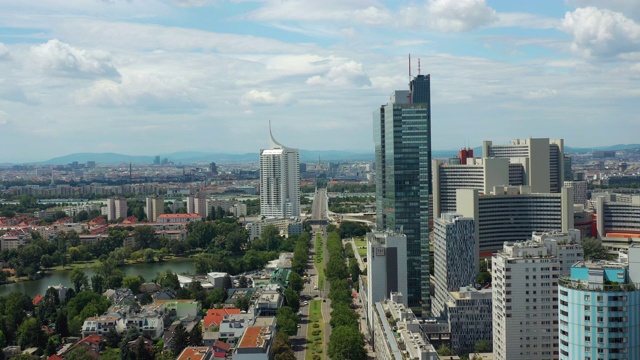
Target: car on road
x=324 y=300
x=305 y=303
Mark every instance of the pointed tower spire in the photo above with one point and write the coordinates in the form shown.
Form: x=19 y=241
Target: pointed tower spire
x=274 y=143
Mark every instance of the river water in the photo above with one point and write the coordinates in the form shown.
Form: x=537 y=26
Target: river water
x=148 y=272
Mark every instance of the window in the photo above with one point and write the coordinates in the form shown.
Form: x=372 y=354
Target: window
x=587 y=338
x=587 y=297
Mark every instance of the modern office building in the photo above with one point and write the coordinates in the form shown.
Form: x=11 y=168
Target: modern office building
x=154 y=207
x=402 y=137
x=279 y=180
x=116 y=208
x=476 y=173
x=386 y=266
x=512 y=213
x=542 y=159
x=455 y=257
x=618 y=215
x=579 y=191
x=599 y=310
x=469 y=313
x=525 y=302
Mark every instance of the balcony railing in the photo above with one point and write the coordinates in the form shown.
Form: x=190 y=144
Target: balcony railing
x=605 y=287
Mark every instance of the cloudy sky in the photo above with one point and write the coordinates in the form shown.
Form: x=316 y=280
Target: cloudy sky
x=150 y=77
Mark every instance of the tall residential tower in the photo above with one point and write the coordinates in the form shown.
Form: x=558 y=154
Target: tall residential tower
x=402 y=136
x=279 y=181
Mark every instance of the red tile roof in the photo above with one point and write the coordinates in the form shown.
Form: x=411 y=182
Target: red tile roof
x=37 y=299
x=215 y=316
x=93 y=339
x=219 y=344
x=253 y=337
x=194 y=353
x=54 y=357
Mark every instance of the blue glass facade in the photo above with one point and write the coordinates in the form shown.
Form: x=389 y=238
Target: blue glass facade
x=598 y=320
x=402 y=137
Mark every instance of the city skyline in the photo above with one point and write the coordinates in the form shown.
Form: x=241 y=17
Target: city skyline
x=118 y=76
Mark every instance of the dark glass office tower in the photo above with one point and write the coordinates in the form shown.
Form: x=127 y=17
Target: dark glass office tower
x=402 y=137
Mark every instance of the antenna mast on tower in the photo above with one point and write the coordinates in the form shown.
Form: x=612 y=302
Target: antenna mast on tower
x=418 y=66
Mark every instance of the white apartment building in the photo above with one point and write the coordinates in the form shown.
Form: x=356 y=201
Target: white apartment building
x=154 y=207
x=386 y=266
x=455 y=257
x=469 y=312
x=542 y=159
x=525 y=302
x=512 y=213
x=279 y=181
x=116 y=208
x=564 y=246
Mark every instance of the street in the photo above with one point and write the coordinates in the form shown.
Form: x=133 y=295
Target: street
x=299 y=342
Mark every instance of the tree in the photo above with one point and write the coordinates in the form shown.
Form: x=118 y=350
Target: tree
x=215 y=297
x=169 y=279
x=79 y=279
x=149 y=256
x=133 y=282
x=293 y=299
x=145 y=298
x=296 y=282
x=593 y=250
x=482 y=346
x=226 y=282
x=346 y=343
x=180 y=339
x=145 y=237
x=242 y=303
x=483 y=278
x=97 y=283
x=444 y=350
x=195 y=336
x=243 y=283
x=343 y=315
x=30 y=334
x=282 y=347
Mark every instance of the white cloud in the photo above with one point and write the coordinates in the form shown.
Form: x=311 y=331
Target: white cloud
x=349 y=74
x=630 y=8
x=196 y=3
x=601 y=33
x=4 y=52
x=146 y=90
x=540 y=94
x=264 y=97
x=459 y=15
x=4 y=118
x=60 y=58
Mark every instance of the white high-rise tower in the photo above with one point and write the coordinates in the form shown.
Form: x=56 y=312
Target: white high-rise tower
x=279 y=180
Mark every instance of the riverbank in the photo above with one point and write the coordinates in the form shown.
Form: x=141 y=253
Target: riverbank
x=148 y=271
x=91 y=265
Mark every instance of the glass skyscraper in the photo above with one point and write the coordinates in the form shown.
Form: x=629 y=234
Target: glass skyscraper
x=402 y=137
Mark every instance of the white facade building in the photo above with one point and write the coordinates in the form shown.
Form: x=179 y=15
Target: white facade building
x=512 y=213
x=525 y=293
x=386 y=266
x=542 y=159
x=279 y=181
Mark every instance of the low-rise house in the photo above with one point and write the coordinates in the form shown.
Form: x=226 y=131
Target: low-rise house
x=181 y=307
x=214 y=317
x=255 y=344
x=101 y=325
x=120 y=296
x=268 y=302
x=150 y=325
x=150 y=288
x=196 y=353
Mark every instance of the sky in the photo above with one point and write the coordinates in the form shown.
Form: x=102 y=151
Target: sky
x=147 y=77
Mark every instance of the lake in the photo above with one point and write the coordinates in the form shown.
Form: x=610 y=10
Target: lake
x=147 y=271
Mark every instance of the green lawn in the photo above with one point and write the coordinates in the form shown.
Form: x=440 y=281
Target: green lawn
x=79 y=265
x=362 y=247
x=315 y=342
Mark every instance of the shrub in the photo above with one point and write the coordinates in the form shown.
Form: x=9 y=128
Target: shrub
x=316 y=325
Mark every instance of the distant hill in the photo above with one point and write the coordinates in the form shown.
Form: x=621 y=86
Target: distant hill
x=188 y=157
